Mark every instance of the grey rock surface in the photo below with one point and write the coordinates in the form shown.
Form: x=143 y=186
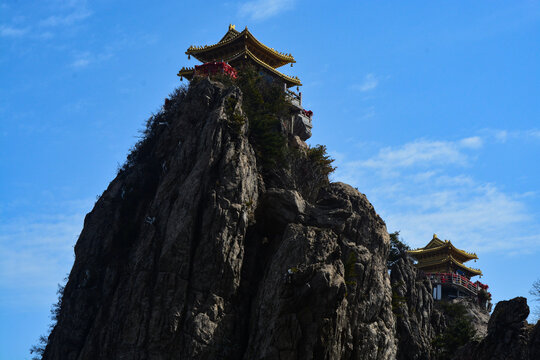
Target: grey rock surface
x=413 y=307
x=479 y=316
x=189 y=254
x=508 y=337
x=419 y=319
x=302 y=126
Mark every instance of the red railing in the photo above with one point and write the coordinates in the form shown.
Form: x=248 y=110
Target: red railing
x=214 y=68
x=455 y=279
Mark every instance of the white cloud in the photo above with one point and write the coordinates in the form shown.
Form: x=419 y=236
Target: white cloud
x=420 y=153
x=424 y=187
x=263 y=9
x=504 y=136
x=68 y=13
x=473 y=142
x=370 y=82
x=9 y=31
x=501 y=135
x=37 y=252
x=534 y=133
x=80 y=63
x=66 y=20
x=84 y=59
x=480 y=216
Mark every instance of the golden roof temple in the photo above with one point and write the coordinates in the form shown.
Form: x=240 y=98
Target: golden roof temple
x=237 y=48
x=440 y=256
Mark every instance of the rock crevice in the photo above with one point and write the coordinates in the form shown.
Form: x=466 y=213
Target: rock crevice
x=190 y=254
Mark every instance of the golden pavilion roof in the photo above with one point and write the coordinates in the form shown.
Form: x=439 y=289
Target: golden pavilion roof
x=439 y=256
x=233 y=42
x=436 y=246
x=437 y=262
x=237 y=48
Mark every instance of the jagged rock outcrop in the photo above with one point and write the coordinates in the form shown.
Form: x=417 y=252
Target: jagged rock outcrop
x=420 y=319
x=413 y=307
x=478 y=315
x=191 y=254
x=509 y=336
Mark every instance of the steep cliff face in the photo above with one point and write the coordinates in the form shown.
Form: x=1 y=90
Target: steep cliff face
x=420 y=319
x=192 y=254
x=509 y=336
x=413 y=307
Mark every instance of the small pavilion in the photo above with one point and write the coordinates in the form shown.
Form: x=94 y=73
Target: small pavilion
x=237 y=48
x=443 y=263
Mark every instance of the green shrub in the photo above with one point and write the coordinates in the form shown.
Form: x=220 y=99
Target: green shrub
x=310 y=170
x=459 y=332
x=398 y=249
x=264 y=104
x=39 y=349
x=321 y=160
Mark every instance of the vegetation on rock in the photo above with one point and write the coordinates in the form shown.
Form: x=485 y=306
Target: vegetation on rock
x=459 y=331
x=39 y=349
x=398 y=249
x=265 y=106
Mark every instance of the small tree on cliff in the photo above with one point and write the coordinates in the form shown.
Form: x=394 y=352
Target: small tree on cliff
x=398 y=249
x=459 y=331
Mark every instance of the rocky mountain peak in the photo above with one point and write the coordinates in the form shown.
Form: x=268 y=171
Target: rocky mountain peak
x=221 y=237
x=215 y=243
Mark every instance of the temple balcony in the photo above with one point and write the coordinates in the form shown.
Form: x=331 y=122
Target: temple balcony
x=294 y=98
x=461 y=284
x=300 y=124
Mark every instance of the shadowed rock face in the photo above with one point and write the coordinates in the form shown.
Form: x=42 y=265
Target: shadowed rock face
x=414 y=311
x=189 y=254
x=419 y=319
x=509 y=337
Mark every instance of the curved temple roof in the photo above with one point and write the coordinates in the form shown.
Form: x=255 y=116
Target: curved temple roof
x=443 y=260
x=289 y=80
x=235 y=41
x=436 y=245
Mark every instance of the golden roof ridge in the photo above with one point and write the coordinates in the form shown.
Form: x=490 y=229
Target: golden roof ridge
x=294 y=80
x=473 y=270
x=193 y=49
x=452 y=259
x=444 y=244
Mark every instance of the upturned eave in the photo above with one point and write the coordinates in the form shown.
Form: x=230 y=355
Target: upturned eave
x=207 y=53
x=289 y=80
x=443 y=260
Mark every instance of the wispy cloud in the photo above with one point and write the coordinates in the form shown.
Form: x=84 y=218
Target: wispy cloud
x=82 y=60
x=369 y=83
x=425 y=187
x=37 y=251
x=503 y=136
x=66 y=14
x=419 y=153
x=66 y=20
x=13 y=32
x=473 y=142
x=263 y=9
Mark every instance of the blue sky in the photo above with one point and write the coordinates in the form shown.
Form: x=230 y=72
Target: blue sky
x=430 y=108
